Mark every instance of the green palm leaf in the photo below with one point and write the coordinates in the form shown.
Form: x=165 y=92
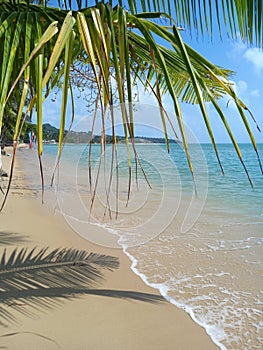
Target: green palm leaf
x=235 y=16
x=120 y=45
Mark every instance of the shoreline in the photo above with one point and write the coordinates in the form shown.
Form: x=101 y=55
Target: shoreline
x=128 y=315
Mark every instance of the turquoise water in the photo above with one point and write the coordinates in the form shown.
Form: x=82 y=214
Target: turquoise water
x=204 y=252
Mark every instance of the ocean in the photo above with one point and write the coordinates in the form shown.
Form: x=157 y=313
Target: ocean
x=198 y=241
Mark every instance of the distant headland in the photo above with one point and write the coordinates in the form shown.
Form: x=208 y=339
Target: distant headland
x=51 y=135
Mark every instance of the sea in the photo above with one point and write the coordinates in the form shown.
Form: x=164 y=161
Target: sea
x=197 y=238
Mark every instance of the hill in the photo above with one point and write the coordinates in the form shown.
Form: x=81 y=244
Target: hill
x=51 y=134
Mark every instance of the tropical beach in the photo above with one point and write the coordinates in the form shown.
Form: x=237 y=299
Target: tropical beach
x=131 y=214
x=121 y=313
x=136 y=304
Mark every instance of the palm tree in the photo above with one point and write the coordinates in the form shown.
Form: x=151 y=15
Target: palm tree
x=119 y=41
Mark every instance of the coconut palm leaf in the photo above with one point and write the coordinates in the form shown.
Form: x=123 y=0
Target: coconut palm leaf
x=244 y=18
x=124 y=46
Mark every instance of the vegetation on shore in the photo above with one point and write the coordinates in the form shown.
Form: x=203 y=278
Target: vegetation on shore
x=51 y=133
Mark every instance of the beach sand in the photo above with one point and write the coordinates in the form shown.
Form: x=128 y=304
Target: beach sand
x=108 y=318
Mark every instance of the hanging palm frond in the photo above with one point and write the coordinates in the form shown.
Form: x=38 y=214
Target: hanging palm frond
x=122 y=47
x=235 y=17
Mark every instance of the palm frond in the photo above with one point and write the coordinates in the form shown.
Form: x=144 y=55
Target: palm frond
x=118 y=45
x=177 y=68
x=201 y=16
x=244 y=18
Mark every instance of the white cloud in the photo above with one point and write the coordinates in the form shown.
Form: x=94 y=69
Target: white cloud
x=242 y=91
x=255 y=93
x=241 y=87
x=255 y=56
x=237 y=50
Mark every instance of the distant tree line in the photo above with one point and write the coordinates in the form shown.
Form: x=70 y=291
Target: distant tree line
x=51 y=133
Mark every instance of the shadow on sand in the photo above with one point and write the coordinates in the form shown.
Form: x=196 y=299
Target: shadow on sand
x=35 y=280
x=11 y=238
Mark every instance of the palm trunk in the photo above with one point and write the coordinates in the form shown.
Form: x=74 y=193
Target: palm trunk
x=0 y=152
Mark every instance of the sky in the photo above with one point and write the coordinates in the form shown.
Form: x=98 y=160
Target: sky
x=247 y=62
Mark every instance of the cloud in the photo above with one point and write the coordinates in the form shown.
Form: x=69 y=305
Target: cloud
x=237 y=50
x=241 y=87
x=242 y=90
x=255 y=57
x=255 y=93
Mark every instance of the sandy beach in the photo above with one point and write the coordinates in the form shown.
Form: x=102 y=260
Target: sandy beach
x=119 y=313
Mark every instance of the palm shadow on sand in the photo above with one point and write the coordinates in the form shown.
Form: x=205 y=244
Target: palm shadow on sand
x=11 y=238
x=35 y=280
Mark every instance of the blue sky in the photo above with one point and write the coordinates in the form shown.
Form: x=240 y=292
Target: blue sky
x=247 y=62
